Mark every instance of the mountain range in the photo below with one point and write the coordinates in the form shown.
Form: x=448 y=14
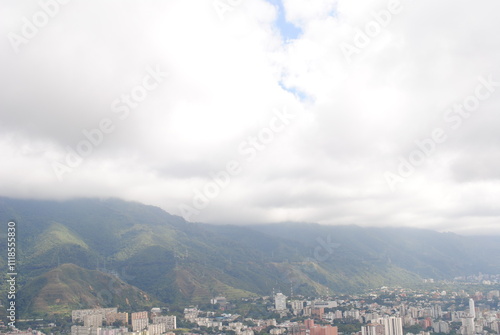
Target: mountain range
x=86 y=253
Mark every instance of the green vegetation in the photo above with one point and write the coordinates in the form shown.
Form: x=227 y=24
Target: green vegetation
x=348 y=327
x=69 y=287
x=145 y=253
x=415 y=329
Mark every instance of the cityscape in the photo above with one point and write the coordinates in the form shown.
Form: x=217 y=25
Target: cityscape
x=386 y=311
x=249 y=167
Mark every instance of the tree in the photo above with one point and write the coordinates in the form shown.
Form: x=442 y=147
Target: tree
x=415 y=329
x=118 y=323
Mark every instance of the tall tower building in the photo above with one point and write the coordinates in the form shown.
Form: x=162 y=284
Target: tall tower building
x=373 y=329
x=468 y=327
x=280 y=302
x=472 y=308
x=392 y=325
x=140 y=321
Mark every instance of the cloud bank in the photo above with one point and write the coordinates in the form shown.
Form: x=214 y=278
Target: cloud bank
x=380 y=113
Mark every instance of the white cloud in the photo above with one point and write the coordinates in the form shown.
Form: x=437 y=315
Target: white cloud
x=223 y=87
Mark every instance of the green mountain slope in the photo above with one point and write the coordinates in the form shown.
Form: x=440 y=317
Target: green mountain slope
x=70 y=287
x=424 y=252
x=181 y=262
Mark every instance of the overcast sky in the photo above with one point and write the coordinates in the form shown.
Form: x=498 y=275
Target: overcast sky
x=375 y=113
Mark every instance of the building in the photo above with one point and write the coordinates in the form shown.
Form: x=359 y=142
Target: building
x=280 y=302
x=437 y=312
x=170 y=321
x=425 y=323
x=297 y=329
x=191 y=313
x=319 y=330
x=93 y=320
x=323 y=330
x=297 y=306
x=373 y=329
x=114 y=331
x=468 y=327
x=325 y=304
x=157 y=329
x=392 y=325
x=82 y=330
x=495 y=326
x=113 y=317
x=309 y=323
x=28 y=331
x=441 y=327
x=140 y=321
x=77 y=315
x=318 y=312
x=219 y=300
x=352 y=314
x=472 y=308
x=155 y=311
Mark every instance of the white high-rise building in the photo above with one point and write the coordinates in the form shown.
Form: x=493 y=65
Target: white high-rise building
x=437 y=312
x=170 y=321
x=280 y=302
x=468 y=327
x=140 y=321
x=373 y=329
x=392 y=325
x=472 y=308
x=441 y=327
x=297 y=306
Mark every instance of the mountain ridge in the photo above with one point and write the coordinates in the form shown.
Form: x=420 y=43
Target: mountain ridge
x=181 y=262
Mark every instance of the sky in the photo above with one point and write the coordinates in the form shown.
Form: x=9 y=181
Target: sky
x=374 y=113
